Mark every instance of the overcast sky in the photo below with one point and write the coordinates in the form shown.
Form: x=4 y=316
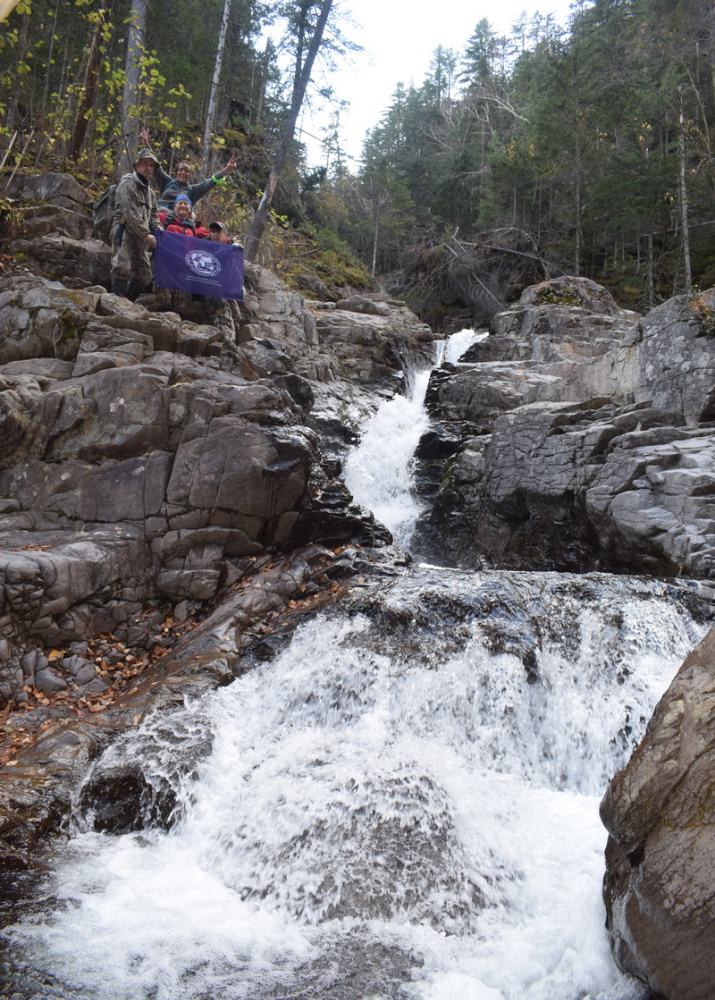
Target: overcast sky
x=398 y=39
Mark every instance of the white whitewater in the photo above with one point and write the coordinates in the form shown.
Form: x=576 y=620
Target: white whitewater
x=376 y=821
x=378 y=472
x=445 y=810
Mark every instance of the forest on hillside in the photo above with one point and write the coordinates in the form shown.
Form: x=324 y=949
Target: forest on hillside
x=584 y=149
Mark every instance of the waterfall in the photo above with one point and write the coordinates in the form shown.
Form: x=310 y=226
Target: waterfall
x=378 y=472
x=401 y=805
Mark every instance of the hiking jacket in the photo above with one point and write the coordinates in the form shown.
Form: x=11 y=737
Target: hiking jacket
x=186 y=227
x=170 y=187
x=136 y=209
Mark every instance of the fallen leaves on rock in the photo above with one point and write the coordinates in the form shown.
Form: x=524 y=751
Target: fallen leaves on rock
x=119 y=666
x=116 y=664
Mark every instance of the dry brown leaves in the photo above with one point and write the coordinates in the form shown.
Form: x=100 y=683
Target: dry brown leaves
x=72 y=704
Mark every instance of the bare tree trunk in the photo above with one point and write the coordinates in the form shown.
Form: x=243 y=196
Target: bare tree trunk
x=213 y=99
x=21 y=49
x=684 y=205
x=650 y=285
x=89 y=90
x=300 y=85
x=132 y=77
x=577 y=195
x=48 y=74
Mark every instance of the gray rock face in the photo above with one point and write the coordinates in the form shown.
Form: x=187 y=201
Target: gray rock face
x=77 y=262
x=667 y=359
x=660 y=814
x=566 y=319
x=603 y=462
x=372 y=339
x=142 y=457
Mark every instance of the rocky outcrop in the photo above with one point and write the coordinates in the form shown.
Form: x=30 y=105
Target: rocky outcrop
x=143 y=456
x=371 y=339
x=660 y=815
x=574 y=455
x=51 y=203
x=566 y=319
x=153 y=475
x=128 y=468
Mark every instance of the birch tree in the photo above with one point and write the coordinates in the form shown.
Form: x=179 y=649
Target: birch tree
x=132 y=78
x=213 y=99
x=308 y=43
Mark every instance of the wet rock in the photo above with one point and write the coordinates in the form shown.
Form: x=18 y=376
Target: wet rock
x=124 y=801
x=660 y=815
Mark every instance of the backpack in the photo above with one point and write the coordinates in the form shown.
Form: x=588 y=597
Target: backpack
x=103 y=214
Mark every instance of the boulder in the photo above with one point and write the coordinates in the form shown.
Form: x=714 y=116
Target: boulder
x=370 y=345
x=659 y=811
x=565 y=319
x=80 y=262
x=360 y=304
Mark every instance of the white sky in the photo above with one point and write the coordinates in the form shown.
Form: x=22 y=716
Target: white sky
x=399 y=38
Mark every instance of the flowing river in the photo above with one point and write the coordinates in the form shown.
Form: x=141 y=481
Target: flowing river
x=401 y=805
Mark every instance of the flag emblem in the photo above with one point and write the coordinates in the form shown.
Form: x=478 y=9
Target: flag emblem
x=203 y=264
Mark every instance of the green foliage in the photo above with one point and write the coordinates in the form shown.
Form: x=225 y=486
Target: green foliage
x=567 y=137
x=564 y=296
x=571 y=137
x=703 y=307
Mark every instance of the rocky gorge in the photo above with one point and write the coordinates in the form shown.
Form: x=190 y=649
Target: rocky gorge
x=172 y=504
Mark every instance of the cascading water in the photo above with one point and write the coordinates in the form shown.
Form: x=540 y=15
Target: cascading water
x=378 y=471
x=402 y=804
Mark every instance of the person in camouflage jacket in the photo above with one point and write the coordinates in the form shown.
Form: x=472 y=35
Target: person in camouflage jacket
x=135 y=219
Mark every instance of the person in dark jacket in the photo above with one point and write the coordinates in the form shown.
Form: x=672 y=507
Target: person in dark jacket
x=135 y=220
x=170 y=186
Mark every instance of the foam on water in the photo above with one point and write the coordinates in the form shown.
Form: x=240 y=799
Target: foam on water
x=377 y=472
x=460 y=342
x=446 y=808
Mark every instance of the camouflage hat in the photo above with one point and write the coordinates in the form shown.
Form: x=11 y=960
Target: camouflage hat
x=145 y=154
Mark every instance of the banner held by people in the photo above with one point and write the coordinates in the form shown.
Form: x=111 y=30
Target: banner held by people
x=198 y=266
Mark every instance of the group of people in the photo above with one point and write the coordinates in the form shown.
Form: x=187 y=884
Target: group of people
x=138 y=213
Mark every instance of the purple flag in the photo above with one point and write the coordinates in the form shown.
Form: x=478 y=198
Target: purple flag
x=199 y=266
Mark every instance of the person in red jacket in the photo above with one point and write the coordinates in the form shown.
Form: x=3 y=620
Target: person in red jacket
x=217 y=234
x=182 y=220
x=220 y=313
